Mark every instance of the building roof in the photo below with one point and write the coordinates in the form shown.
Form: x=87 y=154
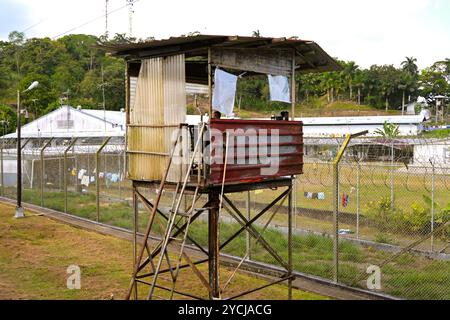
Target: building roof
x=113 y=117
x=68 y=122
x=372 y=120
x=309 y=56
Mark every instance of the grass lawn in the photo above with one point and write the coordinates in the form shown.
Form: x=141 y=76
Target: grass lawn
x=36 y=251
x=408 y=276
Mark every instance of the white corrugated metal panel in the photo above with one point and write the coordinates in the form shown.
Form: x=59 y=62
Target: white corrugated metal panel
x=158 y=109
x=194 y=88
x=133 y=84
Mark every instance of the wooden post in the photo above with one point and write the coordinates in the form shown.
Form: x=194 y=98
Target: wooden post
x=290 y=242
x=210 y=82
x=293 y=93
x=213 y=244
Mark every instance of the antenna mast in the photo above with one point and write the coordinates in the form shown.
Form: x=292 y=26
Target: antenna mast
x=106 y=18
x=130 y=4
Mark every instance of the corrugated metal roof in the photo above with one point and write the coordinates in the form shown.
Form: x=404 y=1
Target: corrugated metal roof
x=317 y=121
x=310 y=57
x=114 y=117
x=361 y=120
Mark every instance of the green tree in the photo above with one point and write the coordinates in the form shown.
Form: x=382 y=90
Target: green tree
x=8 y=118
x=390 y=130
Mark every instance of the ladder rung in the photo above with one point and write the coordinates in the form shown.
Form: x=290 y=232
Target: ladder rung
x=183 y=214
x=203 y=209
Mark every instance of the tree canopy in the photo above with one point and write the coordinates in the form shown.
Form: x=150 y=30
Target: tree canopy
x=70 y=70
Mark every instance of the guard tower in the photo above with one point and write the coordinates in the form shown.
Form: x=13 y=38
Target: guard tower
x=209 y=160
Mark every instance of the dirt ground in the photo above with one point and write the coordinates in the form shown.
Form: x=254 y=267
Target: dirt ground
x=35 y=253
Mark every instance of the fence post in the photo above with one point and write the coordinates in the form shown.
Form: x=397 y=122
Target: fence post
x=2 y=176
x=97 y=182
x=358 y=185
x=433 y=182
x=59 y=172
x=119 y=156
x=336 y=162
x=392 y=174
x=336 y=221
x=43 y=169
x=72 y=143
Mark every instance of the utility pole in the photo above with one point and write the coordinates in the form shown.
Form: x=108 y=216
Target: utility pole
x=103 y=94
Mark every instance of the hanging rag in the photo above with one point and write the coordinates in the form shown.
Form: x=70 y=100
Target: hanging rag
x=279 y=88
x=81 y=174
x=114 y=177
x=345 y=200
x=85 y=181
x=224 y=92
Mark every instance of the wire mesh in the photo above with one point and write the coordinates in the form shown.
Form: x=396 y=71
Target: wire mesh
x=393 y=206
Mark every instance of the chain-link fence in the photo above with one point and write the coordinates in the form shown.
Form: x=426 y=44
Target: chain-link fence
x=393 y=207
x=80 y=176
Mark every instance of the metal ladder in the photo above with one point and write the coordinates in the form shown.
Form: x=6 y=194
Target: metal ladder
x=175 y=216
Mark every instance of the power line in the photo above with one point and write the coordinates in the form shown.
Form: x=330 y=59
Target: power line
x=92 y=20
x=34 y=25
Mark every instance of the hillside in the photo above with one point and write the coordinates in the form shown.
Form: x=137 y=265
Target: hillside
x=315 y=108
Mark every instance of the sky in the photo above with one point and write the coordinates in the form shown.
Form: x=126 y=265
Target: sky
x=365 y=31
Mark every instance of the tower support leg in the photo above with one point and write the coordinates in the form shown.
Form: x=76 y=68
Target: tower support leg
x=213 y=244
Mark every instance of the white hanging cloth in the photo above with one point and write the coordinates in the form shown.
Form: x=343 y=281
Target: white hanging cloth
x=279 y=88
x=224 y=92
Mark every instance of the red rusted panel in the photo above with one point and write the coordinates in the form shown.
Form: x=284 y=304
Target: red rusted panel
x=258 y=150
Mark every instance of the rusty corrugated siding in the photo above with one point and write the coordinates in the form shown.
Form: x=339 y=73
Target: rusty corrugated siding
x=289 y=155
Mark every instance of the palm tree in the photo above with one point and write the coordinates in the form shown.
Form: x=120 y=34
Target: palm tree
x=348 y=73
x=410 y=66
x=406 y=84
x=256 y=34
x=359 y=80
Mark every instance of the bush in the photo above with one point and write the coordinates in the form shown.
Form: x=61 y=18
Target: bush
x=382 y=214
x=417 y=220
